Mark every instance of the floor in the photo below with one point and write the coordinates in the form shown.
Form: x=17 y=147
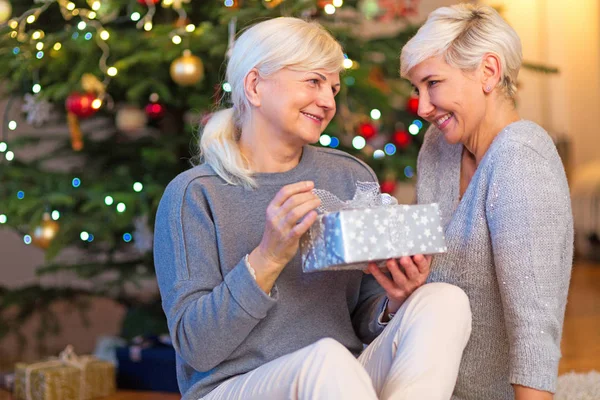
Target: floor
x=581 y=335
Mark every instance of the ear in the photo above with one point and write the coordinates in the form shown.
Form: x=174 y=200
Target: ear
x=491 y=72
x=251 y=87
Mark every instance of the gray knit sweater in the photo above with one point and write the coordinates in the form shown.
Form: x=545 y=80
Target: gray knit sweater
x=222 y=324
x=510 y=248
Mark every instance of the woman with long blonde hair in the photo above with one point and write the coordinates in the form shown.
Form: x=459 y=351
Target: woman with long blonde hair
x=246 y=322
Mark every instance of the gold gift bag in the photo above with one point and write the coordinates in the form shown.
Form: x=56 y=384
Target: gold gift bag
x=99 y=379
x=68 y=377
x=49 y=380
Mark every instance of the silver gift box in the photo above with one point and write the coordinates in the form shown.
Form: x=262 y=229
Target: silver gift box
x=350 y=238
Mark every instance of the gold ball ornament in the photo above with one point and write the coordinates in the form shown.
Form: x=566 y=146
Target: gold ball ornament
x=187 y=70
x=5 y=11
x=43 y=234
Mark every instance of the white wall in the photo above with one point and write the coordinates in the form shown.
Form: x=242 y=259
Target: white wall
x=565 y=34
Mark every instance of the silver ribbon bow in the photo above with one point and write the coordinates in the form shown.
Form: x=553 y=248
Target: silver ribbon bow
x=367 y=195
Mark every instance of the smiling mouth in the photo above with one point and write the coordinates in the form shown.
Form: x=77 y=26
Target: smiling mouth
x=312 y=116
x=441 y=121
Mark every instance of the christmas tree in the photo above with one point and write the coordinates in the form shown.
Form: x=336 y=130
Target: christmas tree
x=131 y=81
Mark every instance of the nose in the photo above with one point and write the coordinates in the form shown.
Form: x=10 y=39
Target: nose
x=425 y=107
x=326 y=99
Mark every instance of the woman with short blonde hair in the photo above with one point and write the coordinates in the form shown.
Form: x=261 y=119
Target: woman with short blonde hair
x=504 y=200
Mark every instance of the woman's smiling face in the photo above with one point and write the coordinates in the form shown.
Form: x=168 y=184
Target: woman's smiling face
x=449 y=98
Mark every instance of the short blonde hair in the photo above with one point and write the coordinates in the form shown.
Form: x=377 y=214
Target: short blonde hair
x=463 y=34
x=268 y=46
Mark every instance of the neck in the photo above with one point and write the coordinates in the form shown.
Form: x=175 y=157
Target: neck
x=499 y=113
x=264 y=150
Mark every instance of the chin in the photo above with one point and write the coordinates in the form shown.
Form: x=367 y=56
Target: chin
x=451 y=137
x=309 y=137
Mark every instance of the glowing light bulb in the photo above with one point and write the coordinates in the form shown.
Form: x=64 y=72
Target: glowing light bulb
x=359 y=142
x=325 y=140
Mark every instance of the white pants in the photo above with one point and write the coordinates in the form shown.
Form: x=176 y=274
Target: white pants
x=416 y=357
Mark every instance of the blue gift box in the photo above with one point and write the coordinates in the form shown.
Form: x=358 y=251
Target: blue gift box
x=147 y=368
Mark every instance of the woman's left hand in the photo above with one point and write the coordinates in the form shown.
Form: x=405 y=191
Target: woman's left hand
x=404 y=281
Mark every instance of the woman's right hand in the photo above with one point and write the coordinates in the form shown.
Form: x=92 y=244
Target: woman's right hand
x=289 y=215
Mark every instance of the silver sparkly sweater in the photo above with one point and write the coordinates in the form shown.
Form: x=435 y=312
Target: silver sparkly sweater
x=510 y=248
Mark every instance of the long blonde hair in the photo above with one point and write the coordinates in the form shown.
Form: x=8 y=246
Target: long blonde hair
x=462 y=34
x=267 y=46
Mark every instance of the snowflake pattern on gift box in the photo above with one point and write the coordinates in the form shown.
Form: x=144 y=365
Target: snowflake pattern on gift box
x=347 y=239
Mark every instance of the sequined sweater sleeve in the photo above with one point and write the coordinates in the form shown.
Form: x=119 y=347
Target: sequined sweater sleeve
x=529 y=216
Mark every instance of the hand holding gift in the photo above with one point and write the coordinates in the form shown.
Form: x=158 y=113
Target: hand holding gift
x=407 y=274
x=289 y=215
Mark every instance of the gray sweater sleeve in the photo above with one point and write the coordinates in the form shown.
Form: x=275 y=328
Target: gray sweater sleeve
x=209 y=315
x=529 y=217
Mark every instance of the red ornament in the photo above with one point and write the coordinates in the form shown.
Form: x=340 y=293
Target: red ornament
x=82 y=105
x=394 y=9
x=145 y=3
x=323 y=3
x=155 y=110
x=367 y=130
x=402 y=139
x=412 y=105
x=388 y=186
